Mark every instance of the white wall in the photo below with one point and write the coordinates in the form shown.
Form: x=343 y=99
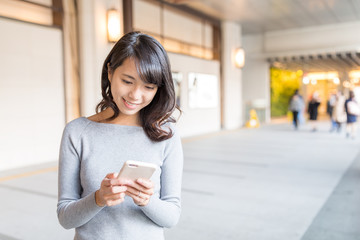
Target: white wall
x=195 y=121
x=256 y=87
x=256 y=76
x=31 y=93
x=231 y=76
x=326 y=38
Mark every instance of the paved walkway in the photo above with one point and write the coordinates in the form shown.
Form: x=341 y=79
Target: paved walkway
x=271 y=183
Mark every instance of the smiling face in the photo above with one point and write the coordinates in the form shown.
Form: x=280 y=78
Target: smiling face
x=130 y=93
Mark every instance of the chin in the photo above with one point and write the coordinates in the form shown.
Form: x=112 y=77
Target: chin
x=128 y=112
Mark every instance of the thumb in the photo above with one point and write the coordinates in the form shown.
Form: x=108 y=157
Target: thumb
x=112 y=175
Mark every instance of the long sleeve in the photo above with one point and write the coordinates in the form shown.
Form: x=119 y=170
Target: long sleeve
x=165 y=209
x=89 y=151
x=73 y=211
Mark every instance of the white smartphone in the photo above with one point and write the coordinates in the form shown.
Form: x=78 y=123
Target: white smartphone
x=136 y=169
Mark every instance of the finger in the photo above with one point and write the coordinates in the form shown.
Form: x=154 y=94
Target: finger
x=119 y=181
x=138 y=186
x=109 y=179
x=141 y=200
x=136 y=196
x=138 y=199
x=106 y=182
x=111 y=175
x=115 y=202
x=146 y=183
x=136 y=191
x=118 y=189
x=111 y=190
x=113 y=197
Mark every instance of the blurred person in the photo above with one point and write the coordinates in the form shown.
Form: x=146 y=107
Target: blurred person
x=132 y=122
x=329 y=110
x=339 y=114
x=352 y=111
x=296 y=106
x=313 y=106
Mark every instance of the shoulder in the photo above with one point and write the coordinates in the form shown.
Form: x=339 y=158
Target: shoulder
x=73 y=131
x=173 y=145
x=76 y=126
x=170 y=126
x=78 y=122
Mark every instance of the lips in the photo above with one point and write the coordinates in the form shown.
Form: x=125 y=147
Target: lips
x=130 y=105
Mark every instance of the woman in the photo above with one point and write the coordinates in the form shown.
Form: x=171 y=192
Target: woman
x=313 y=110
x=296 y=106
x=338 y=113
x=352 y=111
x=132 y=123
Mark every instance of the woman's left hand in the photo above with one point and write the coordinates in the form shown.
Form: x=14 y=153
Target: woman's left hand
x=140 y=191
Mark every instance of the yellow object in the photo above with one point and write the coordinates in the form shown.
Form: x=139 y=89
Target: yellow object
x=253 y=121
x=289 y=116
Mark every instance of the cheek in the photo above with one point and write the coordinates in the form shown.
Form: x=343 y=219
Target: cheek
x=115 y=91
x=151 y=97
x=148 y=98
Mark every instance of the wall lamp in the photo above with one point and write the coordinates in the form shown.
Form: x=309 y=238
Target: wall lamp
x=239 y=57
x=113 y=25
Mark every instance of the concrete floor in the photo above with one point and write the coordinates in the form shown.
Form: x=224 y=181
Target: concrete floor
x=271 y=183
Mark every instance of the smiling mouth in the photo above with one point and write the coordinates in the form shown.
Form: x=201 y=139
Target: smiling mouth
x=130 y=104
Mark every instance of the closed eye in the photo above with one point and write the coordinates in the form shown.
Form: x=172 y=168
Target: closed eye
x=126 y=82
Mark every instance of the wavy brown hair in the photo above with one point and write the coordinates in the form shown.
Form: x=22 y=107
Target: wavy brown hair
x=153 y=66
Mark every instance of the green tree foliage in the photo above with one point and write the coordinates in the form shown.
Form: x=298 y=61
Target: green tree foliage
x=283 y=85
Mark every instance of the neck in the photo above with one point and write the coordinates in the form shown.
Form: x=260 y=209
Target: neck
x=122 y=119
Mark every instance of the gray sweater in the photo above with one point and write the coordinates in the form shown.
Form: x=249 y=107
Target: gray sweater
x=88 y=152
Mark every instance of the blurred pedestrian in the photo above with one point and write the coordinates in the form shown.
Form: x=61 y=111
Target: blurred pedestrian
x=296 y=106
x=329 y=110
x=339 y=114
x=313 y=110
x=352 y=111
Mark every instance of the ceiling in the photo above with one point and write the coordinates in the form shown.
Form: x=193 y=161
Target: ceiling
x=259 y=16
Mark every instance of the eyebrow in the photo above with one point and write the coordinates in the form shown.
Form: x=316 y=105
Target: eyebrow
x=128 y=76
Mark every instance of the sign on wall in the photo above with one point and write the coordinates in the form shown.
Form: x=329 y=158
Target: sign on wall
x=177 y=78
x=203 y=90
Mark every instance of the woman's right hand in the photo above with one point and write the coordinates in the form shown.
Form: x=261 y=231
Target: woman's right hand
x=111 y=192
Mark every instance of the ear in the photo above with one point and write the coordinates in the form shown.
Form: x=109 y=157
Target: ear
x=110 y=72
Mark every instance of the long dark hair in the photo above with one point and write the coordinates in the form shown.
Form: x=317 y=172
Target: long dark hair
x=153 y=66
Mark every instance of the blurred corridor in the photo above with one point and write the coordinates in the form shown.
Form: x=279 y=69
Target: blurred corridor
x=228 y=59
x=270 y=183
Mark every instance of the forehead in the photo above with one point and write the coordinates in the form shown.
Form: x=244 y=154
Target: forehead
x=129 y=69
x=128 y=66
x=142 y=69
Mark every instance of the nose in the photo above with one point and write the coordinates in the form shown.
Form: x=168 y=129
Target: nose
x=135 y=93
